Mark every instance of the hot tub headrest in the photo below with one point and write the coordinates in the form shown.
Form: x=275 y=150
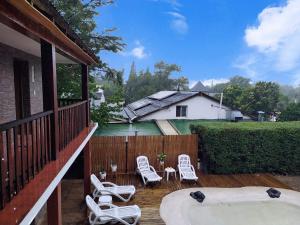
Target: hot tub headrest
x=198 y=195
x=273 y=193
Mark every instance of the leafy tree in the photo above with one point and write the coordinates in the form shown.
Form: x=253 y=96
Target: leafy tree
x=146 y=83
x=232 y=95
x=240 y=81
x=114 y=94
x=291 y=113
x=80 y=15
x=264 y=96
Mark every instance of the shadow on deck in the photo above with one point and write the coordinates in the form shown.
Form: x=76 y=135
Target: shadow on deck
x=149 y=198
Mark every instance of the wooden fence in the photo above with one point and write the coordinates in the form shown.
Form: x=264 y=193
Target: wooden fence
x=123 y=151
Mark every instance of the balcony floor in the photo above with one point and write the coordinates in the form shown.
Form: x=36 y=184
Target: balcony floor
x=149 y=198
x=15 y=210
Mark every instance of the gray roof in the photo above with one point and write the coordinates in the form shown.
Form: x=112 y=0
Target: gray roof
x=150 y=104
x=199 y=87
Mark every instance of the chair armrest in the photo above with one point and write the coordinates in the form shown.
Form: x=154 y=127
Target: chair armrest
x=152 y=168
x=108 y=205
x=192 y=167
x=109 y=183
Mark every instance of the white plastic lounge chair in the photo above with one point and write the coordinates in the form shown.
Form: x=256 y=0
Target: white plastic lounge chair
x=112 y=189
x=113 y=214
x=186 y=170
x=147 y=172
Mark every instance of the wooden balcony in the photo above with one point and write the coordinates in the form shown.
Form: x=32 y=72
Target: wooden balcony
x=27 y=167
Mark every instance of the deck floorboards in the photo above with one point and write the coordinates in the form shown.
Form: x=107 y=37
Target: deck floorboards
x=149 y=198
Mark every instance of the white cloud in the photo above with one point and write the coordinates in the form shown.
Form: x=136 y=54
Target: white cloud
x=247 y=64
x=137 y=52
x=178 y=22
x=210 y=82
x=274 y=44
x=277 y=36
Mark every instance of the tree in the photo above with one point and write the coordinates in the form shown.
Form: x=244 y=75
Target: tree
x=114 y=94
x=240 y=81
x=146 y=83
x=232 y=96
x=129 y=88
x=291 y=113
x=264 y=96
x=80 y=15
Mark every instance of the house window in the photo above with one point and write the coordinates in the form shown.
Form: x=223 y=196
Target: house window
x=181 y=111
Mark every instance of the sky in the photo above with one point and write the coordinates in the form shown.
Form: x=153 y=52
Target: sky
x=212 y=40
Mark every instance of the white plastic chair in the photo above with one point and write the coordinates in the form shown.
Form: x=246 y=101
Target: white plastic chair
x=185 y=169
x=111 y=189
x=113 y=214
x=147 y=172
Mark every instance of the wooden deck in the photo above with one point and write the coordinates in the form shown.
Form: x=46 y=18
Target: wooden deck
x=149 y=198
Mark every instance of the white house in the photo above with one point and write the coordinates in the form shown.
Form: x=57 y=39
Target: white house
x=98 y=98
x=166 y=105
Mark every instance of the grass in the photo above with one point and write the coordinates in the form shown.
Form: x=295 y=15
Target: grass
x=184 y=125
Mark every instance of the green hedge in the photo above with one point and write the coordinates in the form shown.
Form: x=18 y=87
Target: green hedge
x=249 y=147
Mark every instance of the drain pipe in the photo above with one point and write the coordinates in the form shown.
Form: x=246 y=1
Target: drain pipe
x=220 y=106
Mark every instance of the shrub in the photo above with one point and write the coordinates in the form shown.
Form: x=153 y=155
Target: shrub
x=250 y=147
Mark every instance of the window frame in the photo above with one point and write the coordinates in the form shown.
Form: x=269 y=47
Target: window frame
x=181 y=107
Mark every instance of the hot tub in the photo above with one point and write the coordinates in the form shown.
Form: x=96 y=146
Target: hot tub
x=231 y=206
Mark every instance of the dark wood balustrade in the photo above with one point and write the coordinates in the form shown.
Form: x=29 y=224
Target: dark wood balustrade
x=67 y=101
x=24 y=150
x=25 y=145
x=72 y=120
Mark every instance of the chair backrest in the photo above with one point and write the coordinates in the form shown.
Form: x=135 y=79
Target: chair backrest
x=97 y=183
x=142 y=163
x=92 y=205
x=184 y=160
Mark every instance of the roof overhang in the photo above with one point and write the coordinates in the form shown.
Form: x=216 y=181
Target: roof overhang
x=20 y=15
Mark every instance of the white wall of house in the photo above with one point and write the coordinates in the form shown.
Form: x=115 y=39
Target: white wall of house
x=198 y=107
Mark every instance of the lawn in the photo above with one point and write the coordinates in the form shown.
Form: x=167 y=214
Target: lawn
x=183 y=126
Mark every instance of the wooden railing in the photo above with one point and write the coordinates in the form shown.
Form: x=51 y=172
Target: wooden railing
x=67 y=101
x=72 y=120
x=25 y=147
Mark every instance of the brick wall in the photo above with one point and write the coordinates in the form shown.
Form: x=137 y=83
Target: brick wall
x=7 y=92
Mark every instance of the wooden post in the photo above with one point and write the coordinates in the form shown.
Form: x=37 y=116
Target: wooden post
x=50 y=92
x=54 y=207
x=87 y=169
x=85 y=90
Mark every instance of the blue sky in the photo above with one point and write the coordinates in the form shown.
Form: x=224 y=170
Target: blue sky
x=209 y=39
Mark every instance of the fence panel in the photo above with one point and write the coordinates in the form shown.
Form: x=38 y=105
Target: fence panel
x=180 y=144
x=149 y=146
x=107 y=149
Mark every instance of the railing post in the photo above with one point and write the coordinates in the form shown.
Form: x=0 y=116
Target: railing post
x=85 y=90
x=50 y=92
x=54 y=207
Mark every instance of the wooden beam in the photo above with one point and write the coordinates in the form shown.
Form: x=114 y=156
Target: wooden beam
x=50 y=92
x=87 y=169
x=85 y=90
x=54 y=207
x=25 y=15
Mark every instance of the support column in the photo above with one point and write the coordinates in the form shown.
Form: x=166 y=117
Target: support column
x=48 y=60
x=54 y=207
x=85 y=90
x=87 y=169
